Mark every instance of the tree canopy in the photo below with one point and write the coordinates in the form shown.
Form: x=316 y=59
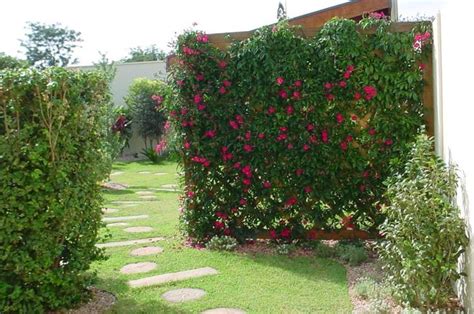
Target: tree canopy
x=139 y=54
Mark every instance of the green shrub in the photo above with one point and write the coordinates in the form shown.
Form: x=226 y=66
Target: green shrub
x=285 y=133
x=424 y=234
x=365 y=287
x=323 y=250
x=222 y=243
x=145 y=99
x=52 y=159
x=352 y=254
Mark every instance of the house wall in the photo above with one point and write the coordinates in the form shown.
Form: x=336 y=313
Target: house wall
x=126 y=73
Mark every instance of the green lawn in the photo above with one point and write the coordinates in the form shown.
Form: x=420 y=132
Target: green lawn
x=256 y=284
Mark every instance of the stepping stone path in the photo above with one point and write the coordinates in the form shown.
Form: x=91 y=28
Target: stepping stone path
x=224 y=310
x=118 y=224
x=183 y=295
x=127 y=202
x=171 y=277
x=124 y=218
x=160 y=174
x=138 y=229
x=130 y=242
x=147 y=250
x=144 y=172
x=144 y=192
x=136 y=268
x=116 y=173
x=115 y=186
x=148 y=197
x=109 y=210
x=170 y=186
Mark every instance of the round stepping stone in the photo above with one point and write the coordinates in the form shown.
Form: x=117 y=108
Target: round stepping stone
x=183 y=295
x=147 y=250
x=116 y=173
x=136 y=268
x=118 y=224
x=144 y=172
x=109 y=210
x=160 y=174
x=138 y=229
x=170 y=186
x=224 y=310
x=148 y=197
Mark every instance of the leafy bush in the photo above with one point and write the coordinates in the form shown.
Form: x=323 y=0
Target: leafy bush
x=52 y=157
x=145 y=99
x=222 y=243
x=352 y=254
x=424 y=234
x=323 y=250
x=289 y=135
x=8 y=62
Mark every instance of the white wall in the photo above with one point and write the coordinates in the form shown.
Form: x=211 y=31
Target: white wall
x=126 y=73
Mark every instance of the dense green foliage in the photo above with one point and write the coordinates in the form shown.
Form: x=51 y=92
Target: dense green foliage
x=139 y=54
x=423 y=233
x=293 y=135
x=50 y=45
x=8 y=62
x=145 y=98
x=52 y=159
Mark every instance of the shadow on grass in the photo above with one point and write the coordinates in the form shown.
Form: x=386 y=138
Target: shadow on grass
x=117 y=192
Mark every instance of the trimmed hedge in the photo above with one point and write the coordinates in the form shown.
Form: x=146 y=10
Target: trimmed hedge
x=52 y=159
x=291 y=135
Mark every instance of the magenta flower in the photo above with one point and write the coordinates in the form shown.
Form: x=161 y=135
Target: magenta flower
x=197 y=99
x=267 y=185
x=339 y=118
x=343 y=145
x=200 y=77
x=248 y=148
x=308 y=189
x=271 y=110
x=280 y=80
x=222 y=90
x=324 y=136
x=370 y=92
x=201 y=107
x=291 y=201
x=327 y=85
x=298 y=83
x=261 y=135
x=299 y=172
x=210 y=133
x=233 y=124
x=222 y=64
x=342 y=84
x=283 y=94
x=306 y=147
x=290 y=110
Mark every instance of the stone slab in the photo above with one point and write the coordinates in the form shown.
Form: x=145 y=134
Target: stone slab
x=130 y=242
x=224 y=310
x=171 y=277
x=183 y=295
x=170 y=186
x=124 y=218
x=144 y=192
x=160 y=174
x=138 y=229
x=118 y=224
x=127 y=202
x=109 y=210
x=116 y=173
x=148 y=197
x=144 y=172
x=137 y=268
x=147 y=250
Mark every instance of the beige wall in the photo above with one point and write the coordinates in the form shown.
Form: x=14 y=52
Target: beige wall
x=126 y=73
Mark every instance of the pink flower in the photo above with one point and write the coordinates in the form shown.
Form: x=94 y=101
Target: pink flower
x=237 y=165
x=339 y=118
x=353 y=117
x=283 y=129
x=219 y=225
x=187 y=145
x=239 y=119
x=271 y=110
x=327 y=85
x=377 y=15
x=243 y=202
x=210 y=133
x=313 y=139
x=388 y=142
x=306 y=147
x=180 y=82
x=248 y=135
x=248 y=148
x=308 y=189
x=272 y=234
x=342 y=84
x=349 y=138
x=267 y=185
x=227 y=83
x=246 y=181
x=283 y=94
x=280 y=80
x=184 y=111
x=285 y=233
x=222 y=90
x=190 y=194
x=222 y=215
x=233 y=124
x=247 y=171
x=350 y=68
x=201 y=107
x=299 y=172
x=282 y=137
x=197 y=99
x=291 y=201
x=289 y=110
x=202 y=38
x=157 y=98
x=365 y=174
x=298 y=83
x=222 y=64
x=330 y=97
x=234 y=210
x=421 y=67
x=227 y=231
x=309 y=127
x=324 y=136
x=370 y=92
x=347 y=75
x=261 y=135
x=357 y=95
x=290 y=146
x=343 y=145
x=372 y=132
x=297 y=95
x=200 y=77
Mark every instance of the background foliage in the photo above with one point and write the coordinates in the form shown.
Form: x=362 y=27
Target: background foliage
x=294 y=135
x=52 y=158
x=423 y=233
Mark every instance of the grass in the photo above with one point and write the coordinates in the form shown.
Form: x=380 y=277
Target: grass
x=254 y=283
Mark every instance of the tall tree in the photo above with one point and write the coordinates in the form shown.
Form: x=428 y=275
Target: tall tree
x=50 y=45
x=151 y=53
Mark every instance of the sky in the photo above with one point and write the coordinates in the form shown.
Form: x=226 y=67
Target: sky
x=113 y=27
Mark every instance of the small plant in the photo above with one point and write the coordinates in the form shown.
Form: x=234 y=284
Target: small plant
x=323 y=250
x=285 y=248
x=365 y=287
x=424 y=234
x=379 y=306
x=152 y=155
x=352 y=254
x=222 y=243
